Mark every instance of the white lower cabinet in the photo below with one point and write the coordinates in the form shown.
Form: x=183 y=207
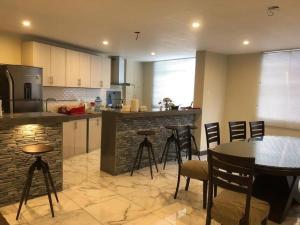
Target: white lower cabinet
x=74 y=138
x=94 y=134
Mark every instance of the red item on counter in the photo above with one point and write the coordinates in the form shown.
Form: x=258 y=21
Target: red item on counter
x=77 y=110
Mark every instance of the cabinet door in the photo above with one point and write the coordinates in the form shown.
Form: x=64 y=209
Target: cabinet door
x=42 y=58
x=94 y=134
x=72 y=69
x=68 y=139
x=80 y=136
x=84 y=70
x=96 y=69
x=58 y=66
x=106 y=69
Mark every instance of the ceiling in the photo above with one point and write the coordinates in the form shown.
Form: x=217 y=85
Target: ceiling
x=165 y=25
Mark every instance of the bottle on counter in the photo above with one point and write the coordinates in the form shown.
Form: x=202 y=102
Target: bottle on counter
x=98 y=102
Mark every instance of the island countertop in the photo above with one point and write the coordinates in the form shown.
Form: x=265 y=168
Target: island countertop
x=120 y=141
x=152 y=113
x=39 y=117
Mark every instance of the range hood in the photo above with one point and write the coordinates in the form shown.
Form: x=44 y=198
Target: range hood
x=118 y=71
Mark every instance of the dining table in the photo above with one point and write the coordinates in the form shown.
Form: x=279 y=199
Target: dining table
x=277 y=170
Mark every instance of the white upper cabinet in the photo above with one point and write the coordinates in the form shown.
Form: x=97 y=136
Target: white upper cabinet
x=67 y=68
x=85 y=69
x=52 y=59
x=106 y=70
x=58 y=67
x=72 y=69
x=78 y=72
x=100 y=72
x=39 y=55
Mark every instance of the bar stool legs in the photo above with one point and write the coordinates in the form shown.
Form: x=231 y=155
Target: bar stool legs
x=39 y=164
x=170 y=140
x=146 y=143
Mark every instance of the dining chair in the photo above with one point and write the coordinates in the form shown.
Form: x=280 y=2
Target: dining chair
x=234 y=205
x=257 y=129
x=237 y=130
x=190 y=169
x=212 y=131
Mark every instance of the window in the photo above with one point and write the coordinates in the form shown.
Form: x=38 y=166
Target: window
x=279 y=91
x=174 y=79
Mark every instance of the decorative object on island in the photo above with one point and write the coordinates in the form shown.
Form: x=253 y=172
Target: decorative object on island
x=36 y=150
x=167 y=104
x=135 y=105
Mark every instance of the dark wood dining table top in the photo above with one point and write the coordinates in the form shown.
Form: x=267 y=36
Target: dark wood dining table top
x=274 y=155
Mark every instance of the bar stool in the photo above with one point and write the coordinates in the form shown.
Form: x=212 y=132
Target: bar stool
x=39 y=164
x=170 y=140
x=146 y=143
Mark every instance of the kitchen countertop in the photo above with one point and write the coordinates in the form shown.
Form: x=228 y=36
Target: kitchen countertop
x=38 y=117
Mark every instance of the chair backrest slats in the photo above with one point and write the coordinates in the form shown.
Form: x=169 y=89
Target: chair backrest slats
x=232 y=173
x=212 y=131
x=183 y=139
x=237 y=130
x=257 y=128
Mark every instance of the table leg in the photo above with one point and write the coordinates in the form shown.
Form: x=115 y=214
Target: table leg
x=279 y=191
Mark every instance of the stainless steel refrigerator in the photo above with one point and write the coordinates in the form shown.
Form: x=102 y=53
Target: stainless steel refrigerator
x=21 y=88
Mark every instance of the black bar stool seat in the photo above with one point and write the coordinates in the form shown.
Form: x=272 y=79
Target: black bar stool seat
x=39 y=164
x=146 y=143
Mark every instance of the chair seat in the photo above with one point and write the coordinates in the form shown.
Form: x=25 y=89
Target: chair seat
x=37 y=149
x=195 y=169
x=171 y=127
x=229 y=208
x=145 y=132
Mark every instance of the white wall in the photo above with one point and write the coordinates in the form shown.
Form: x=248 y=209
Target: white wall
x=134 y=76
x=210 y=89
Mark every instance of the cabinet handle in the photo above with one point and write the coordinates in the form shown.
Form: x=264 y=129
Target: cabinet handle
x=51 y=79
x=75 y=125
x=79 y=82
x=98 y=122
x=101 y=83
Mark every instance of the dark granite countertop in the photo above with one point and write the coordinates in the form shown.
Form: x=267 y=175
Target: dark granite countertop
x=152 y=113
x=39 y=117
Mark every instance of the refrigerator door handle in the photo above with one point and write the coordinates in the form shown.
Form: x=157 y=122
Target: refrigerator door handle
x=11 y=97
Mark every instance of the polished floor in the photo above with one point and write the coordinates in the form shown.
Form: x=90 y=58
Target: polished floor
x=91 y=197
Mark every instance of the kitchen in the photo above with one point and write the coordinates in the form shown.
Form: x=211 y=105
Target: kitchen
x=131 y=112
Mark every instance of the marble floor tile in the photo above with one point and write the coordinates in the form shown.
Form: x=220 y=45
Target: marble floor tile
x=93 y=197
x=117 y=210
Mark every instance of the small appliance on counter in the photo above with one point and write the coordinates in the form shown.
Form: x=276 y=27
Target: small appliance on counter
x=114 y=99
x=21 y=88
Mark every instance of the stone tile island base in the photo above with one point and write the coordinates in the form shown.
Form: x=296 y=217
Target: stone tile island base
x=14 y=164
x=120 y=141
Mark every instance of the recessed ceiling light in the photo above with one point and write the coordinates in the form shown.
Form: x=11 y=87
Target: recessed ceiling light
x=195 y=24
x=246 y=42
x=26 y=23
x=153 y=53
x=105 y=42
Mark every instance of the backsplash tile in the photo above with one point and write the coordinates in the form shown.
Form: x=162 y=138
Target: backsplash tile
x=86 y=94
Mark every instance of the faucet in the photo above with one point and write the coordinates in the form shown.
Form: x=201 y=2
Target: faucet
x=47 y=100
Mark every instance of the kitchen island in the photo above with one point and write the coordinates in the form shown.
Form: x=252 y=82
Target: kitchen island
x=21 y=129
x=120 y=142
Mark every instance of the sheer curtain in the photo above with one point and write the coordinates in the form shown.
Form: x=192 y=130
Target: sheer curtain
x=279 y=91
x=174 y=79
